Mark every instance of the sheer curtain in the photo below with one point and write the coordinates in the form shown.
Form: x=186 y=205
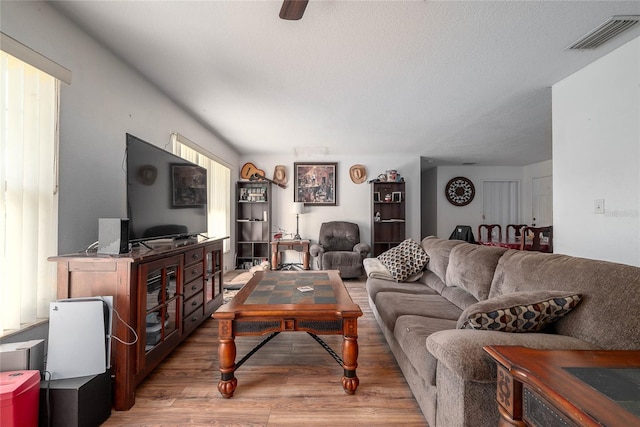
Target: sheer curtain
x=218 y=183
x=29 y=202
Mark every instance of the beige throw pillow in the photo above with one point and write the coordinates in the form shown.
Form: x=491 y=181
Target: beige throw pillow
x=405 y=260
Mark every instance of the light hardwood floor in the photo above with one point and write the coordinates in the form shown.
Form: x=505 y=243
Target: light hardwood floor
x=291 y=381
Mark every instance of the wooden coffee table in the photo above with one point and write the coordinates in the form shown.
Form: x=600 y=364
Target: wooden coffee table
x=273 y=302
x=567 y=387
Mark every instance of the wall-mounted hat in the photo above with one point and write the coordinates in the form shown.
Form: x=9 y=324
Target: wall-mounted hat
x=280 y=175
x=358 y=174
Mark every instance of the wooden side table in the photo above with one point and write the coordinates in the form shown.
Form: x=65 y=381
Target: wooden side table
x=278 y=246
x=567 y=387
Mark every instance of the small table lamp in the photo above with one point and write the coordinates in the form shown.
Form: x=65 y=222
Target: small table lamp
x=298 y=209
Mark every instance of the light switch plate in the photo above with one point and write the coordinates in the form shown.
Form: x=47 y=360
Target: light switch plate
x=598 y=206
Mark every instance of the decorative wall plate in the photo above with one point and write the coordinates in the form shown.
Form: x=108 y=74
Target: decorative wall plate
x=460 y=191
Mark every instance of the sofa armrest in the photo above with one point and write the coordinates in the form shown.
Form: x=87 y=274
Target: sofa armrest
x=316 y=250
x=362 y=248
x=461 y=351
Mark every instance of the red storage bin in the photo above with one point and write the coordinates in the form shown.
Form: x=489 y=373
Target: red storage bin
x=19 y=397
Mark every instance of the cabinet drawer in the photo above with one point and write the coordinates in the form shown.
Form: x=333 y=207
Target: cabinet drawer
x=192 y=288
x=191 y=321
x=193 y=256
x=192 y=272
x=192 y=304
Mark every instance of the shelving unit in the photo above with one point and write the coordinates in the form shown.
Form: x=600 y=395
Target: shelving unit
x=253 y=223
x=388 y=215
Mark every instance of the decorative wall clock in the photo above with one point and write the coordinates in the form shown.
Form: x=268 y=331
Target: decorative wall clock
x=460 y=191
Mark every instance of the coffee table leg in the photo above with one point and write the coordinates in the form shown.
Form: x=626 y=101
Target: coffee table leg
x=350 y=380
x=227 y=357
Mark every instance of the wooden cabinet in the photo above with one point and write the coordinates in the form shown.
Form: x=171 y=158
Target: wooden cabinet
x=388 y=227
x=253 y=223
x=160 y=296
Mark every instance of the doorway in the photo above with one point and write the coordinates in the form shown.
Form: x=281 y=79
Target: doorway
x=542 y=201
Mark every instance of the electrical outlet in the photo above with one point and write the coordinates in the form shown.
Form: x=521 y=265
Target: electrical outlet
x=598 y=206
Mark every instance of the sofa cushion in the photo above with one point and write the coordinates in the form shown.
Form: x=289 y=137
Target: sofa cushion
x=610 y=296
x=518 y=311
x=471 y=268
x=392 y=305
x=374 y=268
x=438 y=252
x=375 y=286
x=404 y=260
x=432 y=280
x=411 y=332
x=461 y=298
x=461 y=349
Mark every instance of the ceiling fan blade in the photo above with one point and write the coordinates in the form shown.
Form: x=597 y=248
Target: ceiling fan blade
x=292 y=10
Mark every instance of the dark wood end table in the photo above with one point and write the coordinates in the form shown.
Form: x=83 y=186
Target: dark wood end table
x=567 y=387
x=277 y=246
x=275 y=301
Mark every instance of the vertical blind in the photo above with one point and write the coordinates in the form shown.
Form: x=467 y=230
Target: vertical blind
x=218 y=184
x=501 y=202
x=29 y=202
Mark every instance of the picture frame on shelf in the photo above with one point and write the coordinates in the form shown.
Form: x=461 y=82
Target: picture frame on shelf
x=316 y=183
x=376 y=196
x=396 y=196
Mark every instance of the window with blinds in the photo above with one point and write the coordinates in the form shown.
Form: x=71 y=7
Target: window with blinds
x=219 y=185
x=29 y=201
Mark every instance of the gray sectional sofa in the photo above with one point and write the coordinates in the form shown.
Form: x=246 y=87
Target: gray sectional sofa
x=451 y=377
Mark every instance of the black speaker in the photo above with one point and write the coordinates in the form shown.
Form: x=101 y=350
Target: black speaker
x=75 y=402
x=113 y=236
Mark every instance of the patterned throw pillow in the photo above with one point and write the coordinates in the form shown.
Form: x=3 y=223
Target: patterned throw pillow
x=404 y=260
x=518 y=311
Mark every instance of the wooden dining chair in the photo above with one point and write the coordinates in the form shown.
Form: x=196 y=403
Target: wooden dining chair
x=489 y=231
x=517 y=231
x=536 y=242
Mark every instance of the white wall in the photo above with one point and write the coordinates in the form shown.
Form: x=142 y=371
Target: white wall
x=353 y=200
x=596 y=155
x=596 y=148
x=449 y=215
x=105 y=100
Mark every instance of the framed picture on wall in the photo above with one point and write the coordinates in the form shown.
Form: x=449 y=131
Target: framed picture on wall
x=315 y=183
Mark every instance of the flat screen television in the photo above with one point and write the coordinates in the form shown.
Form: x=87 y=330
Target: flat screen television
x=166 y=195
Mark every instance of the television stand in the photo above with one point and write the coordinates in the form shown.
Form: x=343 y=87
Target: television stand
x=180 y=282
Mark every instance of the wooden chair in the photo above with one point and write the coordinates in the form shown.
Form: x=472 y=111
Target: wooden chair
x=536 y=242
x=463 y=232
x=489 y=228
x=517 y=231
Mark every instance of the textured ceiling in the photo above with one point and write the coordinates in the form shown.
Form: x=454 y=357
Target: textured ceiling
x=453 y=81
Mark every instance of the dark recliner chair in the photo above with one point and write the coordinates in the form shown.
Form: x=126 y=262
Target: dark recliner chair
x=339 y=248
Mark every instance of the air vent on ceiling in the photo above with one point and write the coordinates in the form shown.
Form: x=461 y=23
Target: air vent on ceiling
x=605 y=32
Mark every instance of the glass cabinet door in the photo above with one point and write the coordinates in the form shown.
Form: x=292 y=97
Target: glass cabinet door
x=162 y=283
x=213 y=275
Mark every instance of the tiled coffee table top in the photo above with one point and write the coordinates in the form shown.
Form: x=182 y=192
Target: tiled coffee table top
x=282 y=288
